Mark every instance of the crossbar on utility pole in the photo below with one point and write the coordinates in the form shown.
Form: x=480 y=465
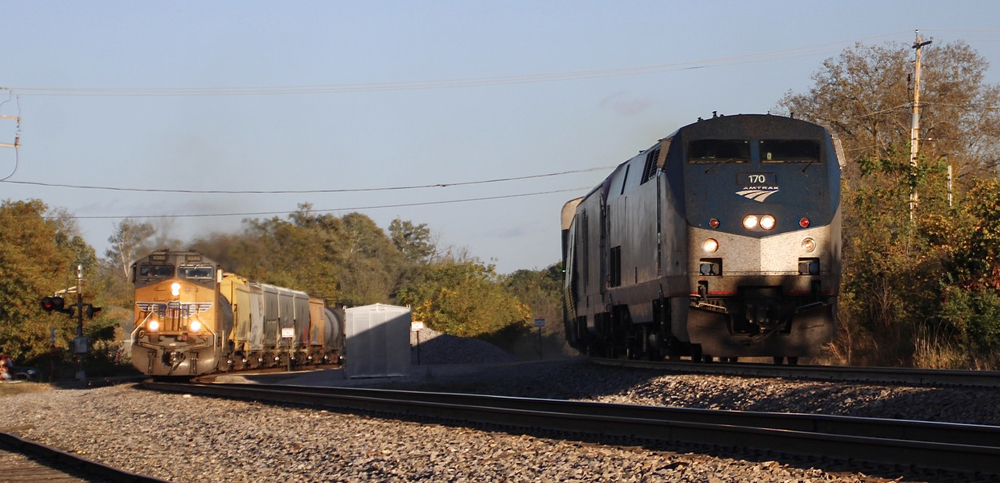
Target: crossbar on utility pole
x=915 y=123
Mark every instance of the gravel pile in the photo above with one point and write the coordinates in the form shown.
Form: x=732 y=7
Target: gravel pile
x=184 y=438
x=438 y=348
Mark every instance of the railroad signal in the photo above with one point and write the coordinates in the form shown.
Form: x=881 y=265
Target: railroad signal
x=56 y=303
x=91 y=311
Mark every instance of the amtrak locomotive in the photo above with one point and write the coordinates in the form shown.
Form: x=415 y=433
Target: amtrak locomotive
x=721 y=240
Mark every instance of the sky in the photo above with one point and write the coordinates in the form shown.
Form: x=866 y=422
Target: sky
x=325 y=97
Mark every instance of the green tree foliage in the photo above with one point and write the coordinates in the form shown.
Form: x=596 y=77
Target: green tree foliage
x=38 y=256
x=914 y=289
x=413 y=241
x=541 y=291
x=464 y=297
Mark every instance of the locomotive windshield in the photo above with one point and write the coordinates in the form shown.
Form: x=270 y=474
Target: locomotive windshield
x=789 y=151
x=200 y=272
x=710 y=151
x=156 y=271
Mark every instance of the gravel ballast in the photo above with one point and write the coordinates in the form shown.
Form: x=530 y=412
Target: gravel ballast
x=182 y=438
x=191 y=438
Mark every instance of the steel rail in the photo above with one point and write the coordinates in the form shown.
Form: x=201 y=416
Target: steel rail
x=73 y=463
x=954 y=447
x=868 y=375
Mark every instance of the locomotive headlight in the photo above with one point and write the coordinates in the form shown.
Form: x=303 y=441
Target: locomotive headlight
x=175 y=289
x=710 y=245
x=808 y=245
x=750 y=222
x=767 y=222
x=195 y=326
x=154 y=325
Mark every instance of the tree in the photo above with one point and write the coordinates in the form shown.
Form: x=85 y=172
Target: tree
x=464 y=297
x=129 y=241
x=414 y=241
x=913 y=287
x=864 y=97
x=38 y=256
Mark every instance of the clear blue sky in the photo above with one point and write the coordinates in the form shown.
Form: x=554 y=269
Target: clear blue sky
x=383 y=104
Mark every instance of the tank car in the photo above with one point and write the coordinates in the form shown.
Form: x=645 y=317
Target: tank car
x=192 y=318
x=720 y=240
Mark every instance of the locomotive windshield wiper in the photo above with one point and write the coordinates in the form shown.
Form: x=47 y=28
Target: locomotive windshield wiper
x=716 y=165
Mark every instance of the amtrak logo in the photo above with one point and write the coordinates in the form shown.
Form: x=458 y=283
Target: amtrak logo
x=759 y=193
x=174 y=309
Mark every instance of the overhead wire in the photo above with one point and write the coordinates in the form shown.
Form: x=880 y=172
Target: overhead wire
x=309 y=191
x=444 y=83
x=327 y=210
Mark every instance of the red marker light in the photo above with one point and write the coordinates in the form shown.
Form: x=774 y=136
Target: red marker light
x=804 y=223
x=714 y=223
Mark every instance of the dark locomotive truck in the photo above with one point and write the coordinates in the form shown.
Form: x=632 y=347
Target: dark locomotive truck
x=721 y=240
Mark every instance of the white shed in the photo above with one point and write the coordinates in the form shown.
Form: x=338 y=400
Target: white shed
x=378 y=341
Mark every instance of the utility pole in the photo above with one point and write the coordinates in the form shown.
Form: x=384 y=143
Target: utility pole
x=915 y=123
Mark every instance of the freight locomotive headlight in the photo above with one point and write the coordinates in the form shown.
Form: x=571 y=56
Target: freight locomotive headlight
x=175 y=289
x=195 y=326
x=710 y=245
x=154 y=325
x=808 y=245
x=750 y=222
x=767 y=222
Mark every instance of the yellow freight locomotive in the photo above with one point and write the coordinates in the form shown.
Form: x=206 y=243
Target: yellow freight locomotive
x=192 y=318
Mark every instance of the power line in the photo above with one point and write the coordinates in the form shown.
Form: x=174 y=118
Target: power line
x=441 y=83
x=328 y=210
x=316 y=191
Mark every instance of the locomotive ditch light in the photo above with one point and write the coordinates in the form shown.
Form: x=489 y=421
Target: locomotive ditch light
x=808 y=244
x=195 y=326
x=750 y=222
x=175 y=289
x=710 y=245
x=767 y=222
x=154 y=325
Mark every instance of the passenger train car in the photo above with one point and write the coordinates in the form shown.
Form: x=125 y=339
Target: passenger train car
x=192 y=318
x=720 y=240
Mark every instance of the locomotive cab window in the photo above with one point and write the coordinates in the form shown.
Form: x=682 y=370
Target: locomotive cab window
x=201 y=272
x=789 y=151
x=710 y=151
x=156 y=271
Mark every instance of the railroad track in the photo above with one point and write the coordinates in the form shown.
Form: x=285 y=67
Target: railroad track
x=868 y=375
x=916 y=444
x=24 y=460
